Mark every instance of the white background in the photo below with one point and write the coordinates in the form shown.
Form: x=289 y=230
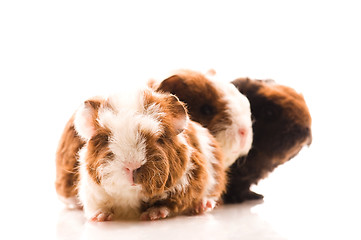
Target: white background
x=55 y=54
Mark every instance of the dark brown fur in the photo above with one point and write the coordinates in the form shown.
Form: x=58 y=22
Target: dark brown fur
x=204 y=102
x=282 y=126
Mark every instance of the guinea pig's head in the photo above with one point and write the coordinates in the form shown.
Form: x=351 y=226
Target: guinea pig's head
x=282 y=122
x=134 y=142
x=217 y=106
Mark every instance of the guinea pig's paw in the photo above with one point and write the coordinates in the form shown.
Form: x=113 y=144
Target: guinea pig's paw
x=206 y=205
x=155 y=213
x=253 y=196
x=101 y=216
x=239 y=197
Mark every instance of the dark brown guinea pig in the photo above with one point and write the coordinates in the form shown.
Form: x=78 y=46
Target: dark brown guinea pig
x=282 y=126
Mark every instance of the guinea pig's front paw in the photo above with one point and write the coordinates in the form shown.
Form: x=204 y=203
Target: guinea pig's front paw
x=101 y=216
x=155 y=213
x=205 y=205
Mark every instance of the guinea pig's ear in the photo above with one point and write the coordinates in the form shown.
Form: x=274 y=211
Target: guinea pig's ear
x=85 y=119
x=211 y=72
x=247 y=86
x=171 y=84
x=178 y=113
x=152 y=83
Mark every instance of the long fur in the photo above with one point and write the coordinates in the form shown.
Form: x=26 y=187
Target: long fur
x=282 y=126
x=138 y=156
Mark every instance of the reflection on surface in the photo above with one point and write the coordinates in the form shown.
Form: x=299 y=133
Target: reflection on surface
x=226 y=222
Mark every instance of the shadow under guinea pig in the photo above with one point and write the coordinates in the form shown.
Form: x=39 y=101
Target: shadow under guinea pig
x=282 y=126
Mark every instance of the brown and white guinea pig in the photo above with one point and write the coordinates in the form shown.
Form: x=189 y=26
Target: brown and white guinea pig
x=282 y=126
x=218 y=106
x=137 y=155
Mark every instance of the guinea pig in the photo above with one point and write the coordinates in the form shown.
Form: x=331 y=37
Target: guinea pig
x=218 y=106
x=137 y=155
x=282 y=126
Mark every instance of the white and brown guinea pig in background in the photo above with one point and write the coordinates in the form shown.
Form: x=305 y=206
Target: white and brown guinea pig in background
x=282 y=126
x=137 y=155
x=218 y=106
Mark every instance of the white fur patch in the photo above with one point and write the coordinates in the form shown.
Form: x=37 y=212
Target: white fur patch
x=71 y=202
x=231 y=141
x=208 y=151
x=95 y=198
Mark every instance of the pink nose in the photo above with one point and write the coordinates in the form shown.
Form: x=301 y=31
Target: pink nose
x=243 y=134
x=129 y=171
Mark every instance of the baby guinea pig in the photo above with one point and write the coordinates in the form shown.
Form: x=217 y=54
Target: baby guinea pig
x=139 y=156
x=217 y=106
x=282 y=126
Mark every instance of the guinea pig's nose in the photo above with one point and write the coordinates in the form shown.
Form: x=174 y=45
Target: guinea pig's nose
x=242 y=132
x=131 y=171
x=130 y=167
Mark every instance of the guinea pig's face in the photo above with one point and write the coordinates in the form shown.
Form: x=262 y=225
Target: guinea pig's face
x=217 y=106
x=128 y=140
x=282 y=121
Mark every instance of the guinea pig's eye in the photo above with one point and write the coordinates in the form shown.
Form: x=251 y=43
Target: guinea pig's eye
x=270 y=112
x=100 y=140
x=160 y=141
x=207 y=110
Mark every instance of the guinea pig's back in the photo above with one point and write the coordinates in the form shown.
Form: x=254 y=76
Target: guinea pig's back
x=282 y=120
x=66 y=162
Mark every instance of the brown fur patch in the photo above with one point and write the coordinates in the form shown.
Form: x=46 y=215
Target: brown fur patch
x=166 y=157
x=97 y=153
x=97 y=147
x=204 y=101
x=289 y=99
x=66 y=161
x=184 y=202
x=176 y=113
